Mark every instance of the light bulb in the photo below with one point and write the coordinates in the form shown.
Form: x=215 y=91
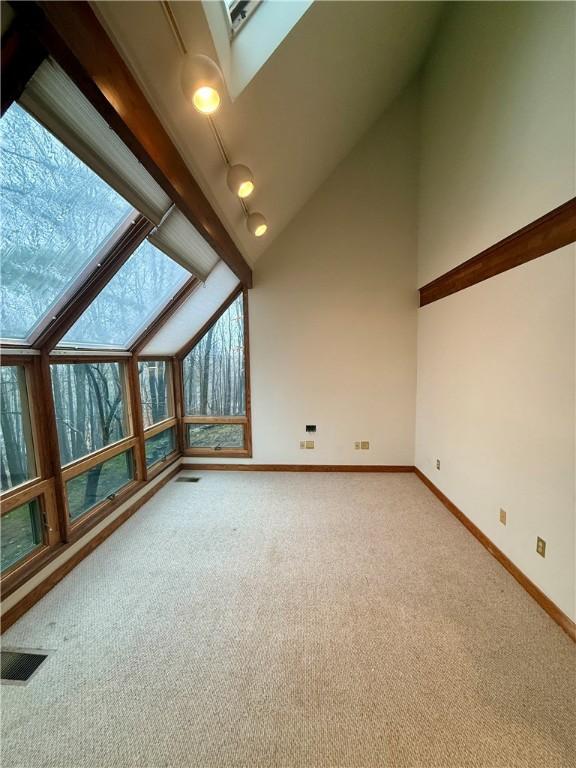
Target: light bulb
x=257 y=224
x=240 y=180
x=201 y=83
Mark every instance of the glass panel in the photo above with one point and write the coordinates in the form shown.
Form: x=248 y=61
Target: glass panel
x=16 y=451
x=214 y=370
x=56 y=214
x=90 y=488
x=130 y=301
x=20 y=533
x=154 y=378
x=159 y=446
x=215 y=436
x=89 y=405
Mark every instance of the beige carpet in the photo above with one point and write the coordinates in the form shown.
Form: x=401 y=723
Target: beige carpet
x=292 y=620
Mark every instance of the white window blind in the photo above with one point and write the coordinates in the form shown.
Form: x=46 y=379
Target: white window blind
x=55 y=101
x=182 y=242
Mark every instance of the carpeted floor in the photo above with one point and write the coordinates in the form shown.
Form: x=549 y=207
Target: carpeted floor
x=297 y=620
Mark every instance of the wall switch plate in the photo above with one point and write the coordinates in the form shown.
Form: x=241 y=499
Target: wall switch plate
x=357 y=445
x=437 y=463
x=309 y=443
x=540 y=546
x=365 y=445
x=503 y=516
x=302 y=444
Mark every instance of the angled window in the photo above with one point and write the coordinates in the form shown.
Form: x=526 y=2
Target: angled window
x=214 y=384
x=129 y=302
x=57 y=215
x=239 y=11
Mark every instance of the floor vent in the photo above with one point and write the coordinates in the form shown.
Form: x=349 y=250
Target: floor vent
x=188 y=479
x=19 y=666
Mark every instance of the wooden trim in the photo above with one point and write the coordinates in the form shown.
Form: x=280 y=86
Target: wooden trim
x=213 y=453
x=72 y=34
x=162 y=318
x=18 y=610
x=20 y=494
x=22 y=54
x=136 y=421
x=100 y=276
x=535 y=592
x=215 y=419
x=247 y=386
x=189 y=346
x=160 y=426
x=79 y=466
x=544 y=235
x=178 y=379
x=299 y=467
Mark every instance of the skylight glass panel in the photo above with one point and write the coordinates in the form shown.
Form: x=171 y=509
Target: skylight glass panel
x=56 y=215
x=129 y=302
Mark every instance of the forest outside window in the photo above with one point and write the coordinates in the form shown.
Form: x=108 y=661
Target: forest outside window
x=94 y=432
x=157 y=399
x=217 y=419
x=28 y=523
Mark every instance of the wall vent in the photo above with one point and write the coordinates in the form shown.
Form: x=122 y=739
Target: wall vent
x=188 y=479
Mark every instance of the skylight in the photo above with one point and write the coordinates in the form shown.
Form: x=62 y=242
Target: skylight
x=240 y=11
x=56 y=215
x=129 y=302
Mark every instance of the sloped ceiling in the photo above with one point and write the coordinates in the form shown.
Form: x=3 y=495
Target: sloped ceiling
x=325 y=85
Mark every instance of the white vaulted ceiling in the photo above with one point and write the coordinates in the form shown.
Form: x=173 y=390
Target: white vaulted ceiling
x=330 y=79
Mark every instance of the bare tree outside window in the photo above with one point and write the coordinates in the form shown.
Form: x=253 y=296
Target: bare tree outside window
x=89 y=405
x=154 y=383
x=214 y=376
x=16 y=450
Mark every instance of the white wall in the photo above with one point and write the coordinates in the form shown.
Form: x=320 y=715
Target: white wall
x=496 y=361
x=333 y=311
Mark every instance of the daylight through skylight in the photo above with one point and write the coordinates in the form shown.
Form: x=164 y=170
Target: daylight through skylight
x=56 y=215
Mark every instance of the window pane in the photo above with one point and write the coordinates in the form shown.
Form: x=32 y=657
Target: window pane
x=130 y=301
x=214 y=370
x=154 y=378
x=20 y=533
x=159 y=446
x=56 y=213
x=16 y=451
x=215 y=436
x=90 y=488
x=89 y=405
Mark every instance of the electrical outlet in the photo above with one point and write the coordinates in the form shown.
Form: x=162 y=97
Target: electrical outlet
x=309 y=443
x=437 y=463
x=357 y=445
x=302 y=444
x=365 y=445
x=503 y=516
x=540 y=546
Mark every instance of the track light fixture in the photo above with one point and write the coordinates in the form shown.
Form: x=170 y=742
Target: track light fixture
x=257 y=224
x=240 y=180
x=201 y=83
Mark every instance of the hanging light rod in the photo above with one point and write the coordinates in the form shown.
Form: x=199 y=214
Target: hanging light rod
x=200 y=81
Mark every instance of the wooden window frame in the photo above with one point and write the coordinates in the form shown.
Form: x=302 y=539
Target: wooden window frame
x=40 y=487
x=246 y=420
x=170 y=422
x=131 y=442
